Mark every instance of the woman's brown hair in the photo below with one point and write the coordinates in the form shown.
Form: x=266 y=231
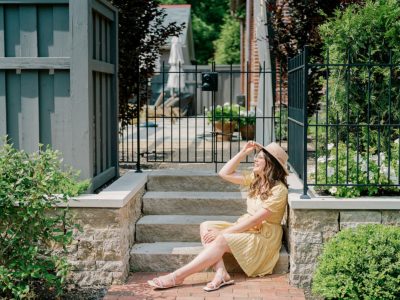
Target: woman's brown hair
x=273 y=173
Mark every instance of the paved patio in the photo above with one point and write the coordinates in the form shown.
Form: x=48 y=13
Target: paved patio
x=272 y=287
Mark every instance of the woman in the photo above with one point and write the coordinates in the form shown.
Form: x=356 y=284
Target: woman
x=255 y=239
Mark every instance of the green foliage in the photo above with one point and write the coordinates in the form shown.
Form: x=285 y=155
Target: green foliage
x=247 y=117
x=141 y=34
x=227 y=46
x=354 y=167
x=361 y=263
x=361 y=94
x=224 y=113
x=31 y=227
x=207 y=19
x=281 y=123
x=292 y=32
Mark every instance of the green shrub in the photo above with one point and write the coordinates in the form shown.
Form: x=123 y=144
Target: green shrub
x=360 y=94
x=33 y=232
x=361 y=263
x=350 y=167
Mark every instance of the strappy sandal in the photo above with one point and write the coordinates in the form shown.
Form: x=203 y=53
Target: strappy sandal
x=222 y=283
x=158 y=284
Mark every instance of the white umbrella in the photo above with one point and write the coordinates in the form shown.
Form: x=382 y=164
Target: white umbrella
x=176 y=78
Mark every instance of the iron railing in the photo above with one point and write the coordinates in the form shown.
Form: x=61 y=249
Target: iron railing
x=179 y=129
x=353 y=139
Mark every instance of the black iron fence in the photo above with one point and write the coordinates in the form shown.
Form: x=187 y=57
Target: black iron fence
x=350 y=146
x=184 y=124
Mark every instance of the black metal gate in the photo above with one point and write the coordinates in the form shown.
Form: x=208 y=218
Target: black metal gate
x=179 y=125
x=297 y=115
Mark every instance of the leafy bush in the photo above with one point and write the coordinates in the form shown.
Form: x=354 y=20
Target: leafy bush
x=225 y=113
x=247 y=117
x=281 y=123
x=360 y=94
x=361 y=263
x=31 y=227
x=353 y=167
x=227 y=46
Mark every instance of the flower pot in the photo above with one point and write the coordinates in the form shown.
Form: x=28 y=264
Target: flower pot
x=247 y=132
x=224 y=130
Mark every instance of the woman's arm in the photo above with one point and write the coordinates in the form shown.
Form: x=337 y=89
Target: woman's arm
x=228 y=171
x=248 y=223
x=242 y=226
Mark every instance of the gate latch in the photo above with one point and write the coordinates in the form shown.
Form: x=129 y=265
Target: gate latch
x=209 y=81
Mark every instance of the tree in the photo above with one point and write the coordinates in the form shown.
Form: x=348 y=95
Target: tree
x=208 y=17
x=141 y=34
x=227 y=46
x=298 y=29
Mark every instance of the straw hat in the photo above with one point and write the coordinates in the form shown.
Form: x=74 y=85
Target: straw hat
x=276 y=151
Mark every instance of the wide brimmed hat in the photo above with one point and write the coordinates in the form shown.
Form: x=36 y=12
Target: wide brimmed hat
x=278 y=153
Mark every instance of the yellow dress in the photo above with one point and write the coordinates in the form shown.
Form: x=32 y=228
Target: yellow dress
x=257 y=250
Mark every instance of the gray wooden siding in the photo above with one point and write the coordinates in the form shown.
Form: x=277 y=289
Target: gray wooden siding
x=58 y=81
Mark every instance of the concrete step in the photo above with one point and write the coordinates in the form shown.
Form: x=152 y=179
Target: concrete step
x=188 y=180
x=173 y=228
x=166 y=257
x=197 y=203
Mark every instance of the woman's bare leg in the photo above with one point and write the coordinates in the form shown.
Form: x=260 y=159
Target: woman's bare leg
x=219 y=266
x=208 y=257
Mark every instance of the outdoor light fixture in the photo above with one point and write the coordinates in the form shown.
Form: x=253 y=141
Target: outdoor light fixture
x=209 y=81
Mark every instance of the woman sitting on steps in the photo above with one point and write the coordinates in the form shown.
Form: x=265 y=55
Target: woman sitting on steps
x=255 y=238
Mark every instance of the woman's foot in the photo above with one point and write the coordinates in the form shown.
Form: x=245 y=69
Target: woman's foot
x=165 y=282
x=220 y=279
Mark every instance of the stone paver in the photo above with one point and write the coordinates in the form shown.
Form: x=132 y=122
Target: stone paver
x=272 y=287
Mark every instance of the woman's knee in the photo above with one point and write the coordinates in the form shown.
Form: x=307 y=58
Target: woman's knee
x=221 y=242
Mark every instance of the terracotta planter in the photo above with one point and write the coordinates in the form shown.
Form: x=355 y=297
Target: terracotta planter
x=224 y=130
x=247 y=132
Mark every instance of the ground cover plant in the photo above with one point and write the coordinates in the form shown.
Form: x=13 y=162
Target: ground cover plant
x=361 y=263
x=31 y=227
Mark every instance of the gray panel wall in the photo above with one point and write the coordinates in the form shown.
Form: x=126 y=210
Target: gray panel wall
x=53 y=53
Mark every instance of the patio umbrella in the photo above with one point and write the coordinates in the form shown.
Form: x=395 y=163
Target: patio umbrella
x=176 y=78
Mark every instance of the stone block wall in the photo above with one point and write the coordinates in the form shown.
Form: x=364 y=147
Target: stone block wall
x=310 y=228
x=99 y=254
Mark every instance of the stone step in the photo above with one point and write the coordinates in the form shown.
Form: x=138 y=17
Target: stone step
x=173 y=228
x=167 y=257
x=188 y=180
x=195 y=203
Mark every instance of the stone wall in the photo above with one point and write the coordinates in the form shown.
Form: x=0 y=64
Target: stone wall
x=99 y=254
x=310 y=228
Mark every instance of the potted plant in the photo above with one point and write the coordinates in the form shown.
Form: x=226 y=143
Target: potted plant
x=247 y=123
x=225 y=119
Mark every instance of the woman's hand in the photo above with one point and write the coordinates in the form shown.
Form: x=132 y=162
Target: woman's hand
x=210 y=235
x=249 y=147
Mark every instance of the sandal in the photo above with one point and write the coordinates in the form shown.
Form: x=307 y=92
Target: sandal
x=222 y=283
x=158 y=283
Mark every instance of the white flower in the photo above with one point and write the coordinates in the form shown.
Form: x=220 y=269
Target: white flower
x=364 y=167
x=330 y=158
x=384 y=170
x=397 y=141
x=360 y=159
x=382 y=156
x=205 y=110
x=321 y=159
x=218 y=107
x=374 y=157
x=330 y=146
x=227 y=104
x=333 y=190
x=330 y=172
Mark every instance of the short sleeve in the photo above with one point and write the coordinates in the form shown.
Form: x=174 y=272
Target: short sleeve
x=278 y=199
x=248 y=178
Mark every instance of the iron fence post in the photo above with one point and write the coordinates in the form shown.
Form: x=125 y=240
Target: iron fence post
x=305 y=122
x=138 y=170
